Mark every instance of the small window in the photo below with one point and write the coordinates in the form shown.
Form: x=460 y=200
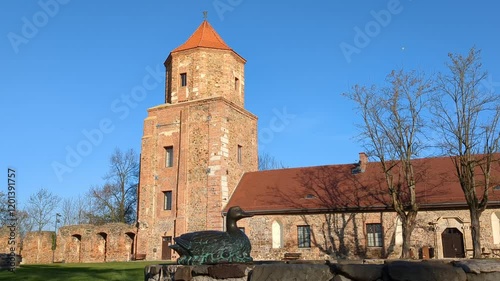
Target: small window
x=236 y=84
x=169 y=156
x=304 y=236
x=239 y=156
x=167 y=205
x=374 y=234
x=183 y=79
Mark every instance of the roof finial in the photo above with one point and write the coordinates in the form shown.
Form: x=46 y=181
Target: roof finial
x=205 y=15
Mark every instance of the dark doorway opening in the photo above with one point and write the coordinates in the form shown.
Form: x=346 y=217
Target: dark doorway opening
x=453 y=243
x=166 y=252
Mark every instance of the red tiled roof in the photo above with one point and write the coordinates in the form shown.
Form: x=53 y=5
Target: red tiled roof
x=204 y=36
x=336 y=188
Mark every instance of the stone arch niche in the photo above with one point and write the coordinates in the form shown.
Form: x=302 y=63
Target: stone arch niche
x=102 y=239
x=129 y=244
x=277 y=235
x=454 y=230
x=75 y=248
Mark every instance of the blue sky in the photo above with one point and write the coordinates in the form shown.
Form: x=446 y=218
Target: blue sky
x=65 y=63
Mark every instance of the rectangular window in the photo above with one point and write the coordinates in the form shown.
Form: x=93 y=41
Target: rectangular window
x=167 y=205
x=183 y=79
x=239 y=154
x=169 y=156
x=374 y=234
x=236 y=84
x=304 y=236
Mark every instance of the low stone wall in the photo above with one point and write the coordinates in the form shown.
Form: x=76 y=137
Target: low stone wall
x=435 y=270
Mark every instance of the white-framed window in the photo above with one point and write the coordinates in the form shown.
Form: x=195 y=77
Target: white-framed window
x=304 y=236
x=374 y=234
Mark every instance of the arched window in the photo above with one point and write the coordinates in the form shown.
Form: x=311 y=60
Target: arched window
x=399 y=232
x=277 y=235
x=495 y=227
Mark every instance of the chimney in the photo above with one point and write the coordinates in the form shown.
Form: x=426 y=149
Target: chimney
x=363 y=160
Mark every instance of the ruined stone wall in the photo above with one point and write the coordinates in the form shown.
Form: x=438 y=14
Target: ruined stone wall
x=81 y=243
x=348 y=233
x=37 y=247
x=5 y=247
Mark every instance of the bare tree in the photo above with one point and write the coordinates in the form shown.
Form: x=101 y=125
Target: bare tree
x=75 y=210
x=40 y=208
x=116 y=200
x=393 y=132
x=269 y=162
x=466 y=120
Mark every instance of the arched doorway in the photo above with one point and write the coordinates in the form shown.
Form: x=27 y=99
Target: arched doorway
x=102 y=245
x=129 y=236
x=453 y=243
x=76 y=248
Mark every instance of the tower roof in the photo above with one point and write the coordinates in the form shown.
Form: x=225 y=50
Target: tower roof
x=204 y=36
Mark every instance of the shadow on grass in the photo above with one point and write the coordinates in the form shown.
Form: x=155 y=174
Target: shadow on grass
x=120 y=271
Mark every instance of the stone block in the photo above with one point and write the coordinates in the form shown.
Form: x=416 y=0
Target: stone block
x=478 y=266
x=298 y=272
x=417 y=271
x=360 y=272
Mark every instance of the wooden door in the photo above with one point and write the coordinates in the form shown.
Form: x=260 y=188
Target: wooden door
x=453 y=243
x=166 y=252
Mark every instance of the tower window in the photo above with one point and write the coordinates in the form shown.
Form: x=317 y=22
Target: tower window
x=183 y=79
x=236 y=84
x=239 y=157
x=167 y=204
x=169 y=156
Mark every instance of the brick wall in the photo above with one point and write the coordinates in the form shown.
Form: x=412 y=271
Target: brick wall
x=350 y=229
x=205 y=123
x=81 y=243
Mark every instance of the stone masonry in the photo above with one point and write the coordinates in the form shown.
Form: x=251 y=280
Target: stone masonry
x=349 y=236
x=80 y=244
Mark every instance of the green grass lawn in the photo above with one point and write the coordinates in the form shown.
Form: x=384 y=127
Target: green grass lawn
x=119 y=271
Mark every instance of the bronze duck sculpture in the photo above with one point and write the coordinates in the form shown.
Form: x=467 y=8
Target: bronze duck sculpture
x=211 y=246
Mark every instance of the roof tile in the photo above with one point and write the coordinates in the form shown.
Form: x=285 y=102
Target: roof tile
x=204 y=36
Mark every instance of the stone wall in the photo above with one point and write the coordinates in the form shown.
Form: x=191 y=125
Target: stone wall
x=5 y=247
x=471 y=270
x=37 y=247
x=348 y=233
x=81 y=243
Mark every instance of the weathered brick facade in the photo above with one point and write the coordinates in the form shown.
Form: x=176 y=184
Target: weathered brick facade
x=81 y=243
x=195 y=147
x=350 y=229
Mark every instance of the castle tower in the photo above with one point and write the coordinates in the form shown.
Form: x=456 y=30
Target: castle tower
x=196 y=146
